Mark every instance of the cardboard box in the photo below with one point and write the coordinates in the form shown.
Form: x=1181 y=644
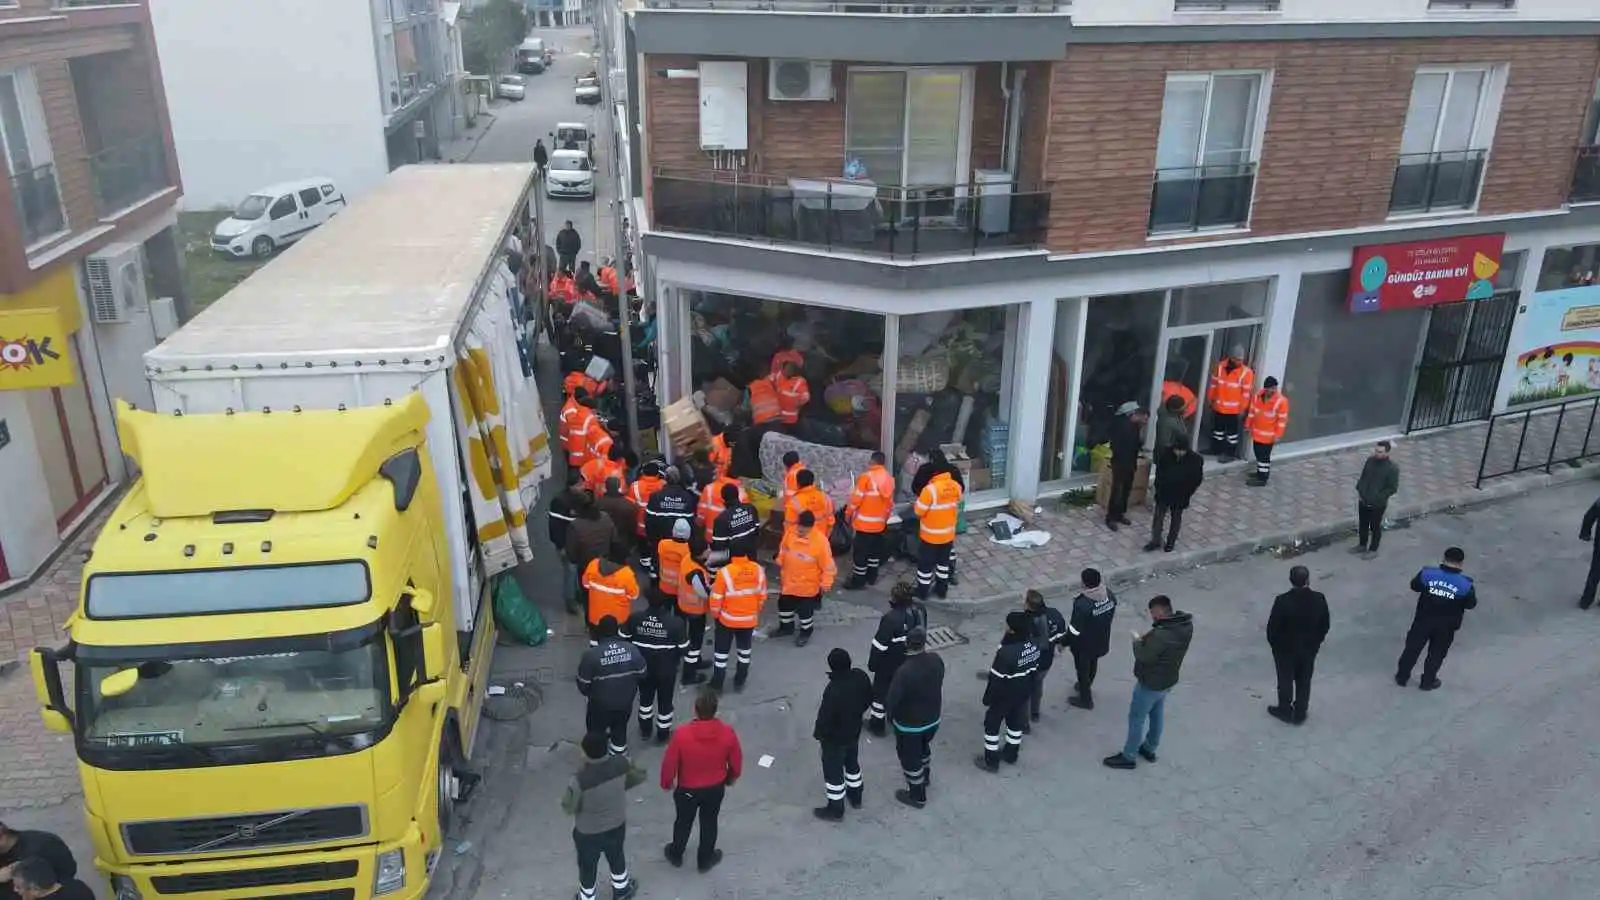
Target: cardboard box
x=1141 y=482
x=721 y=394
x=957 y=455
x=685 y=426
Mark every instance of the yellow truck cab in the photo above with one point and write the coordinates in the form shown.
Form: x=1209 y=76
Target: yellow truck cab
x=274 y=674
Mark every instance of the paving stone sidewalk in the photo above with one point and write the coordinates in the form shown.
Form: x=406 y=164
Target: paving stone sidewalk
x=1310 y=498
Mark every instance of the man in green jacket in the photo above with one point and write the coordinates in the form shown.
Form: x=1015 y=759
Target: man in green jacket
x=1157 y=657
x=1380 y=479
x=597 y=799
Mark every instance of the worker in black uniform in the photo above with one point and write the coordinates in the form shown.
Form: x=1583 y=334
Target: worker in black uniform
x=1586 y=533
x=1049 y=631
x=662 y=637
x=563 y=509
x=670 y=504
x=1006 y=698
x=905 y=615
x=609 y=675
x=1444 y=595
x=736 y=530
x=914 y=703
x=838 y=730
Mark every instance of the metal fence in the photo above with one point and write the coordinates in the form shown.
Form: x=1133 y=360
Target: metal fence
x=1541 y=437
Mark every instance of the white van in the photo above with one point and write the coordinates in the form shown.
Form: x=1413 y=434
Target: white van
x=276 y=216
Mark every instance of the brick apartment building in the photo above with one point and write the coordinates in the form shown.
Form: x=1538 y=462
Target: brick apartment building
x=88 y=251
x=996 y=222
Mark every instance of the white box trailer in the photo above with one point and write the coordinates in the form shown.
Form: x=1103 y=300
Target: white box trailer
x=406 y=291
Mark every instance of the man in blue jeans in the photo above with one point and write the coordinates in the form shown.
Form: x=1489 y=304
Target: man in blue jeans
x=1157 y=656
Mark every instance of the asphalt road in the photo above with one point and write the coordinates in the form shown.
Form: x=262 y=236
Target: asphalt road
x=549 y=100
x=1483 y=789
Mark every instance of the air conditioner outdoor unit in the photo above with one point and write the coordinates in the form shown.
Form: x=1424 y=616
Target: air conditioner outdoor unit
x=116 y=283
x=799 y=79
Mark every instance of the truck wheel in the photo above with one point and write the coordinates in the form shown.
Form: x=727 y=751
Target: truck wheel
x=261 y=247
x=449 y=756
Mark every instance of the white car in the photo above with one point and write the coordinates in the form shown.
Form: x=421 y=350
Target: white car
x=512 y=87
x=587 y=90
x=569 y=175
x=276 y=216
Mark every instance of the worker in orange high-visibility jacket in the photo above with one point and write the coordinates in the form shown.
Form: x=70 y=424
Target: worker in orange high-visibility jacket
x=598 y=442
x=793 y=393
x=642 y=489
x=738 y=594
x=871 y=504
x=1229 y=396
x=1269 y=416
x=763 y=402
x=1171 y=388
x=576 y=381
x=711 y=504
x=937 y=508
x=612 y=589
x=669 y=553
x=573 y=427
x=694 y=593
x=791 y=468
x=596 y=470
x=562 y=288
x=607 y=276
x=806 y=570
x=721 y=453
x=785 y=356
x=808 y=497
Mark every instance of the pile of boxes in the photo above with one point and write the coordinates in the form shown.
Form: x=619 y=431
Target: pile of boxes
x=995 y=447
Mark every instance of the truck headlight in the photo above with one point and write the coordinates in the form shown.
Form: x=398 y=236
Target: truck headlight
x=390 y=876
x=123 y=888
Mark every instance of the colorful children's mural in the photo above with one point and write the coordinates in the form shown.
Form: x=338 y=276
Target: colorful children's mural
x=1558 y=346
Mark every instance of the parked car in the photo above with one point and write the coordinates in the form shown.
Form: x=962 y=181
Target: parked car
x=276 y=216
x=570 y=174
x=512 y=87
x=587 y=89
x=532 y=57
x=573 y=136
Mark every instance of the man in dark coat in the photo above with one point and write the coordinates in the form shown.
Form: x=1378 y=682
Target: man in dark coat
x=621 y=511
x=1380 y=479
x=1295 y=631
x=1127 y=442
x=1179 y=472
x=1089 y=634
x=541 y=156
x=1586 y=533
x=1444 y=594
x=838 y=730
x=590 y=536
x=567 y=246
x=562 y=512
x=1049 y=633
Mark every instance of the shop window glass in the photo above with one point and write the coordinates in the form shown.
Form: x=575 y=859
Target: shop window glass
x=952 y=387
x=1218 y=303
x=1055 y=460
x=1121 y=341
x=1566 y=267
x=1347 y=372
x=733 y=341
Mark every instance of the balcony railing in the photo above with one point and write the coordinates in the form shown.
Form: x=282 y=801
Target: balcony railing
x=1454 y=5
x=38 y=202
x=936 y=7
x=1586 y=177
x=1227 y=5
x=127 y=173
x=1428 y=182
x=1202 y=197
x=854 y=216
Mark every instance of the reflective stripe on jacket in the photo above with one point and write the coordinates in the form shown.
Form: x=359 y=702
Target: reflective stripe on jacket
x=937 y=508
x=670 y=554
x=793 y=393
x=1230 y=392
x=763 y=401
x=610 y=594
x=575 y=433
x=805 y=564
x=598 y=469
x=872 y=501
x=721 y=455
x=739 y=593
x=1268 y=417
x=639 y=495
x=813 y=499
x=711 y=504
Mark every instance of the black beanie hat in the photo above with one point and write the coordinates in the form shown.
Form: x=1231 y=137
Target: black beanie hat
x=838 y=660
x=1017 y=622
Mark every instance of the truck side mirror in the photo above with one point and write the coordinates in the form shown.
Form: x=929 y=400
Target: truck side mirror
x=44 y=664
x=433 y=653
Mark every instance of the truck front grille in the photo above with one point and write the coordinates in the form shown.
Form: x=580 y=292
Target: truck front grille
x=339 y=894
x=230 y=834
x=202 y=882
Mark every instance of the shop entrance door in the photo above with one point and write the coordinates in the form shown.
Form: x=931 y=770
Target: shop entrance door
x=1184 y=369
x=1459 y=368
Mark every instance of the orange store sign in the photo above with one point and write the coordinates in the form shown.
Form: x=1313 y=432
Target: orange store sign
x=35 y=350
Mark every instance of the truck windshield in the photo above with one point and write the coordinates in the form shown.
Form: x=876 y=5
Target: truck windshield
x=247 y=701
x=152 y=595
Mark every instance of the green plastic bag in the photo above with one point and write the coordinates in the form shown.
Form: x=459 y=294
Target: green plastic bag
x=961 y=515
x=517 y=616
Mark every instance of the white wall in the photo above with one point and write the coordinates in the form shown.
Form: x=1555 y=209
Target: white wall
x=28 y=529
x=1158 y=12
x=262 y=91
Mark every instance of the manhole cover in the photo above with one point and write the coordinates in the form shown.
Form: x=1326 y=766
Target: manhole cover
x=944 y=636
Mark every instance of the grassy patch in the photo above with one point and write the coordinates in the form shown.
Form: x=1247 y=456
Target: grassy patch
x=206 y=273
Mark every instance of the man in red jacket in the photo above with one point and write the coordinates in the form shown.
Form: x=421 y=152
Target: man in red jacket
x=703 y=760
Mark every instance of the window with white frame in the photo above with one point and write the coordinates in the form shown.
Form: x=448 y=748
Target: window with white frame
x=1207 y=150
x=1591 y=122
x=22 y=126
x=908 y=127
x=1445 y=142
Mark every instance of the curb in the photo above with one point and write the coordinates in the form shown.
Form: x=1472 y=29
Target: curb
x=487 y=125
x=1290 y=542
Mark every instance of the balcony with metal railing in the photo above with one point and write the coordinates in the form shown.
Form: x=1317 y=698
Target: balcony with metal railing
x=37 y=199
x=836 y=215
x=1437 y=182
x=1586 y=176
x=128 y=172
x=1201 y=198
x=892 y=7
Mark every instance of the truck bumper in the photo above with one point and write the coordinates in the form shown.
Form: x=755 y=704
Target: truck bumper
x=339 y=873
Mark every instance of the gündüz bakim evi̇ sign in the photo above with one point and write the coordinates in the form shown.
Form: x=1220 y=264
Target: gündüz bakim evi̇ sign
x=1401 y=276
